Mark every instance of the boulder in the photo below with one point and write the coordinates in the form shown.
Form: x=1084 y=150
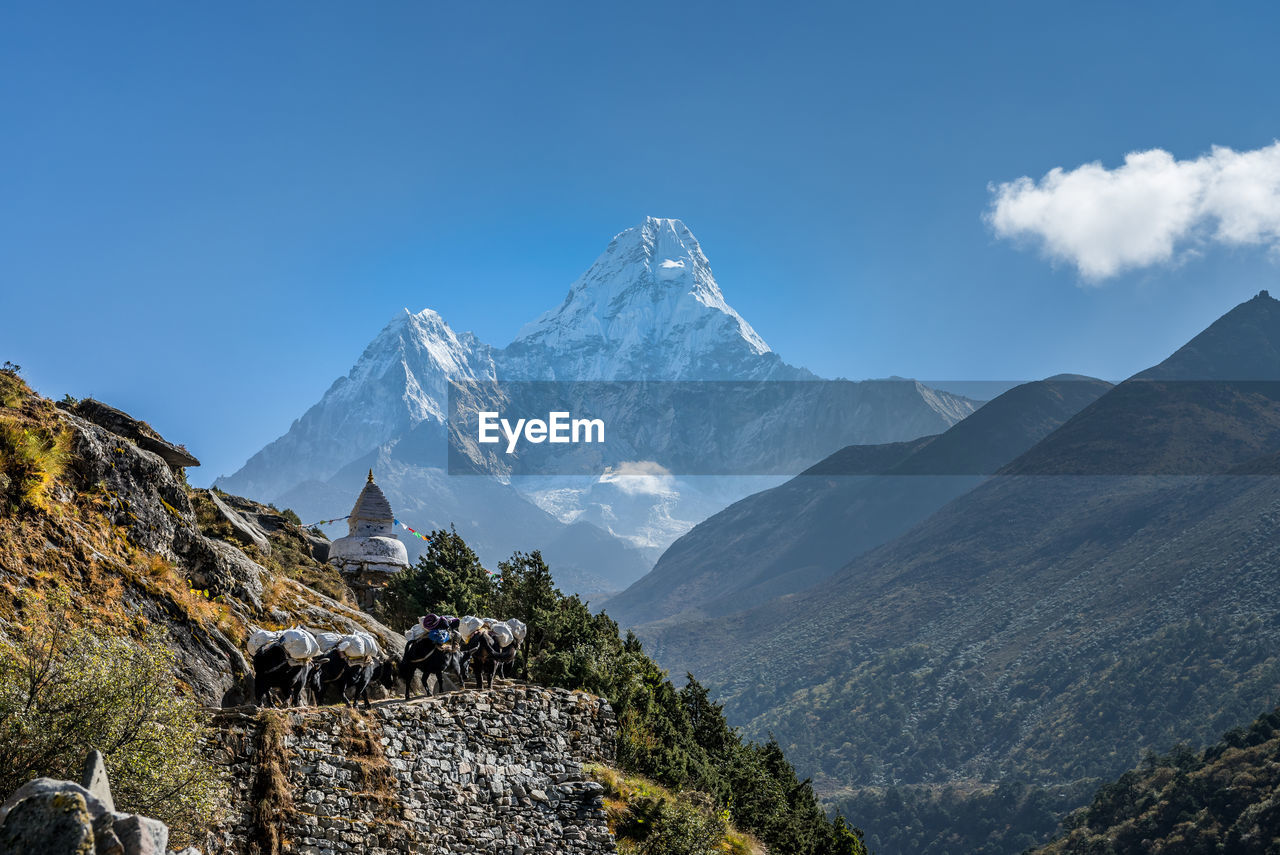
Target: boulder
x=141 y=835
x=319 y=546
x=52 y=817
x=105 y=840
x=94 y=779
x=50 y=823
x=50 y=786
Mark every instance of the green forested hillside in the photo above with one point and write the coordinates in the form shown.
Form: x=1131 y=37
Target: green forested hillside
x=1043 y=628
x=1225 y=799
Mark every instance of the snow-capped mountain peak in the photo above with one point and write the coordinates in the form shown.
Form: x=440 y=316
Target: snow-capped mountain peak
x=421 y=352
x=400 y=380
x=648 y=308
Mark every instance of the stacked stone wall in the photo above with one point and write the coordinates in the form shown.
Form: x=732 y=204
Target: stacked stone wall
x=468 y=772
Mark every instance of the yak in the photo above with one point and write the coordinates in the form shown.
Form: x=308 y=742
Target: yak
x=351 y=679
x=273 y=669
x=431 y=658
x=486 y=657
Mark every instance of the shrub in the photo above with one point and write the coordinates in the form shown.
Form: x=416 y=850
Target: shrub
x=651 y=819
x=65 y=690
x=687 y=824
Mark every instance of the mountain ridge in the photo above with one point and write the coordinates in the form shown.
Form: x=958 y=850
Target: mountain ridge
x=785 y=539
x=647 y=308
x=1051 y=626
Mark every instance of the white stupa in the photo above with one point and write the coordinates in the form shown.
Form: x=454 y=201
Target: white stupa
x=370 y=552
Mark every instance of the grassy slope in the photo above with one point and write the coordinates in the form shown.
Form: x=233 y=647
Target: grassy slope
x=632 y=802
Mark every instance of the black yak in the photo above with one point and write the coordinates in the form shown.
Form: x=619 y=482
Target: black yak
x=431 y=657
x=486 y=656
x=351 y=679
x=273 y=669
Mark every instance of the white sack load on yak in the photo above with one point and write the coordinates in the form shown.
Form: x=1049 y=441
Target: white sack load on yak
x=468 y=626
x=518 y=629
x=262 y=638
x=359 y=646
x=299 y=644
x=328 y=640
x=502 y=634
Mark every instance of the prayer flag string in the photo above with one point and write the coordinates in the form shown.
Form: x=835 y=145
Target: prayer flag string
x=327 y=522
x=411 y=531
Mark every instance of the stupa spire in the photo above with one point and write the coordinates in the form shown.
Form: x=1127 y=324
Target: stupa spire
x=370 y=552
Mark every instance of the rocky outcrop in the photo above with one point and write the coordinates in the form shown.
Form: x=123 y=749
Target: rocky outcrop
x=136 y=507
x=136 y=431
x=246 y=532
x=139 y=490
x=269 y=521
x=495 y=772
x=144 y=497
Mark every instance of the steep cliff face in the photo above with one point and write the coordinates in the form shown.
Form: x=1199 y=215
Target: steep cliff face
x=497 y=772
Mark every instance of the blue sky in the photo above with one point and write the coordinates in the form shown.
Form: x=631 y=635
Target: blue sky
x=209 y=209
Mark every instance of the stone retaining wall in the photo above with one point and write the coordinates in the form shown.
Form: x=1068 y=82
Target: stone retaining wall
x=468 y=772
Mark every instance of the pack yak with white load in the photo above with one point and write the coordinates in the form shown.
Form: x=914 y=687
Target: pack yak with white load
x=493 y=647
x=287 y=662
x=348 y=664
x=440 y=643
x=281 y=664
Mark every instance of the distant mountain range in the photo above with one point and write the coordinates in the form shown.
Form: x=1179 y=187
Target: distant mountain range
x=647 y=309
x=1116 y=588
x=788 y=538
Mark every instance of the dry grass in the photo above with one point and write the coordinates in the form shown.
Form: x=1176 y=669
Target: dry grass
x=273 y=805
x=361 y=741
x=32 y=459
x=12 y=390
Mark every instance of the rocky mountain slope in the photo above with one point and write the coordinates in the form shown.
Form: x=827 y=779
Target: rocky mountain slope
x=99 y=530
x=1043 y=627
x=788 y=538
x=649 y=308
x=90 y=507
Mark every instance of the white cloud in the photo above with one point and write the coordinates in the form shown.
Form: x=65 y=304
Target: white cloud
x=642 y=477
x=1151 y=210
